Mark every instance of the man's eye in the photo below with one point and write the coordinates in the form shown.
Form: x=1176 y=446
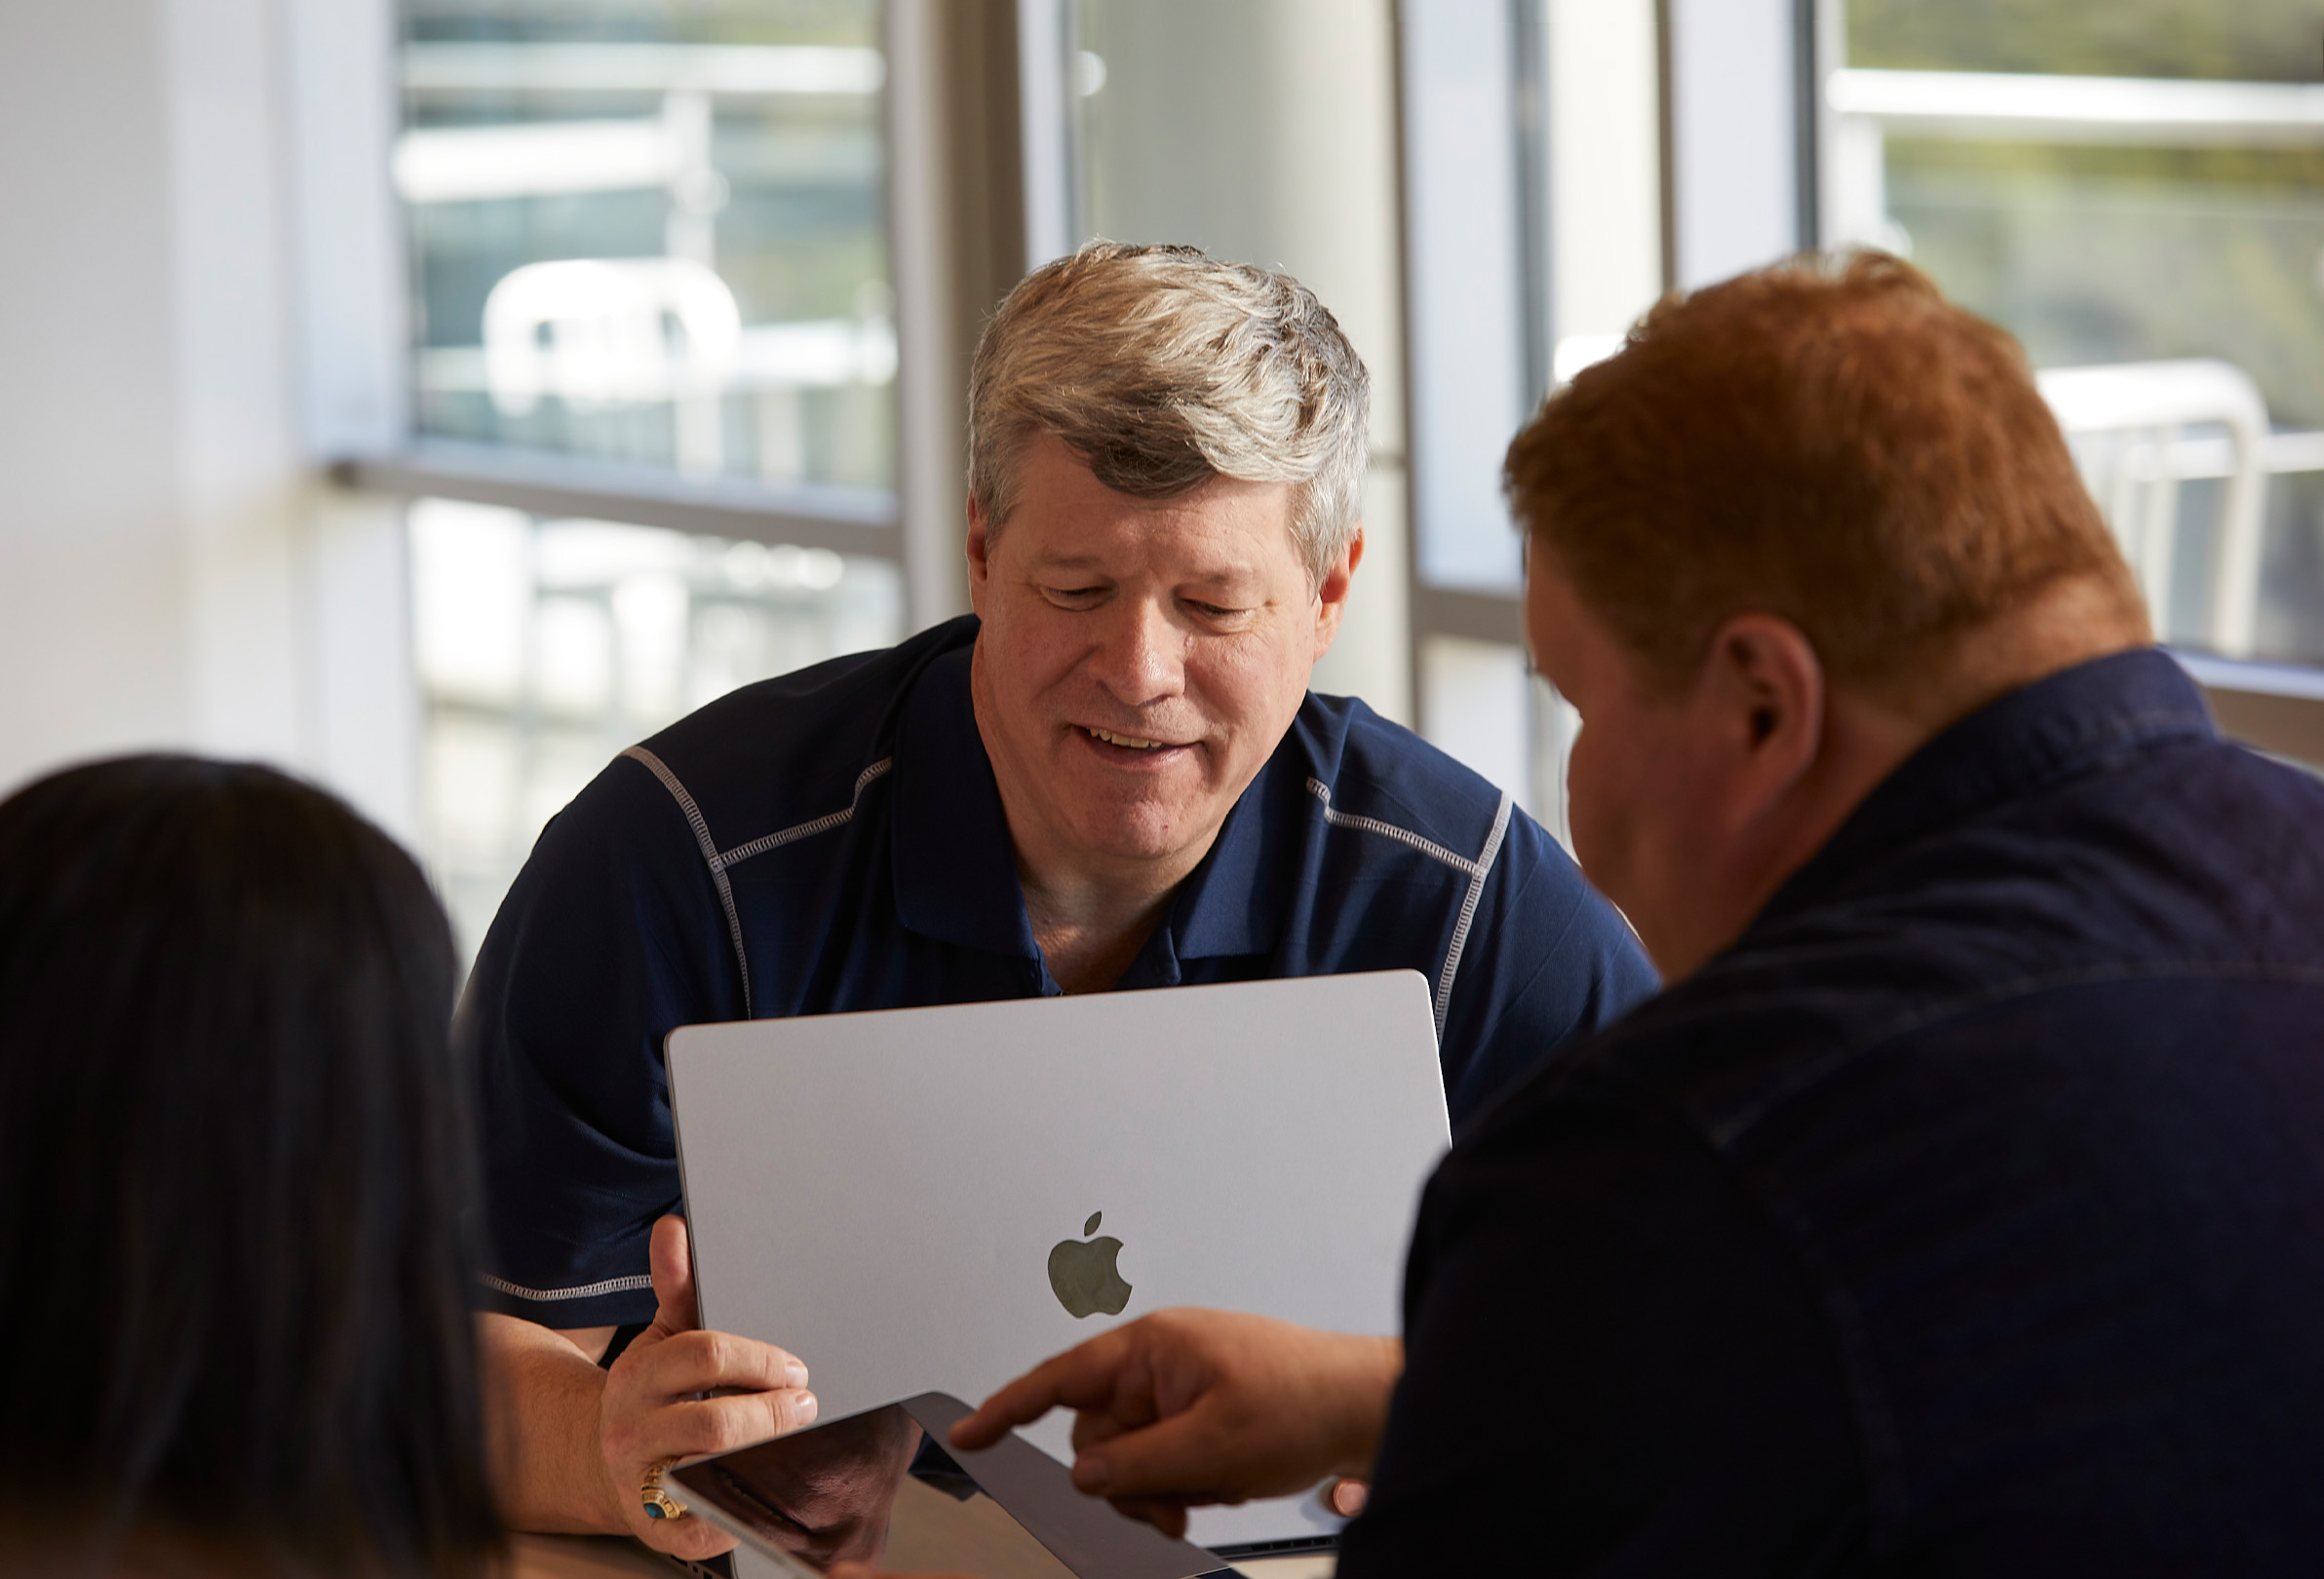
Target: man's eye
x=1072 y=595
x=1219 y=611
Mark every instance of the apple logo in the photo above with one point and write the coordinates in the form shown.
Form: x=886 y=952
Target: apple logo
x=1084 y=1276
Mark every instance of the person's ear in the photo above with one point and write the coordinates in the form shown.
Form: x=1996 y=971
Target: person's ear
x=1766 y=689
x=980 y=562
x=1331 y=594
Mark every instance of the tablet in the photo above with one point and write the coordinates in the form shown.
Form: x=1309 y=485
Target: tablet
x=886 y=1487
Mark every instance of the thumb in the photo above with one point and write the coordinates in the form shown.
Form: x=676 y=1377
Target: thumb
x=672 y=1277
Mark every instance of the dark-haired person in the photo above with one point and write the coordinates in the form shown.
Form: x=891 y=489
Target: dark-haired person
x=1113 y=776
x=235 y=1153
x=1958 y=1209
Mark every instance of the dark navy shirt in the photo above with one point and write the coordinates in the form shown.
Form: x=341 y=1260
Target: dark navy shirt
x=1967 y=1216
x=832 y=840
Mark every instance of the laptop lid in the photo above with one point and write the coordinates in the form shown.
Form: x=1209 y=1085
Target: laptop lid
x=938 y=1199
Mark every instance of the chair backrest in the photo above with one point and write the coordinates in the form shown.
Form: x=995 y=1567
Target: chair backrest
x=2131 y=427
x=618 y=330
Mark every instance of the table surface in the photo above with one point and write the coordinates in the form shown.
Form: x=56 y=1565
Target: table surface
x=583 y=1556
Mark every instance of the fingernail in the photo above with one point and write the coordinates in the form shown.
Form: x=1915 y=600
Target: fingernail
x=1090 y=1475
x=794 y=1374
x=805 y=1406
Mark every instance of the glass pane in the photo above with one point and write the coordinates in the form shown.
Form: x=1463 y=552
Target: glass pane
x=1477 y=698
x=2161 y=229
x=1466 y=250
x=1555 y=724
x=652 y=232
x=547 y=646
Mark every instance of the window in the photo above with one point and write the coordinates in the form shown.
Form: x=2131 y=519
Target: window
x=2137 y=191
x=653 y=233
x=1534 y=234
x=547 y=646
x=652 y=379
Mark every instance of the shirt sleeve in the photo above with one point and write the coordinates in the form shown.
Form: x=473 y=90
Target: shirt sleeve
x=1546 y=959
x=1613 y=1366
x=611 y=936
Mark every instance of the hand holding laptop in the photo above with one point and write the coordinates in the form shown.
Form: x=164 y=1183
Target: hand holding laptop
x=654 y=1409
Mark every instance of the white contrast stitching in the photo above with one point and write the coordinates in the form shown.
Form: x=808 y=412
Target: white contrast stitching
x=1373 y=824
x=821 y=825
x=710 y=854
x=1468 y=914
x=588 y=1291
x=1476 y=871
x=718 y=863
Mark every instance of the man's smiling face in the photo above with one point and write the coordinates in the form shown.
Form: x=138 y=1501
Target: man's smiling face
x=1139 y=660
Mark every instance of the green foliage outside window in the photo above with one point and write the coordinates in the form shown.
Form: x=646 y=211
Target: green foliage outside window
x=2227 y=39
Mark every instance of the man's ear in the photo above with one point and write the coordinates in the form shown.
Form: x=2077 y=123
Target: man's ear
x=1331 y=593
x=980 y=562
x=1764 y=687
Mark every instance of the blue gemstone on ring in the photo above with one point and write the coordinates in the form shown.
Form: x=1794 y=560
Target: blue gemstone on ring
x=653 y=1510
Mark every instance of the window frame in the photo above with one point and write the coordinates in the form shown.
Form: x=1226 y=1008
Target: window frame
x=1731 y=154
x=979 y=187
x=2278 y=708
x=954 y=203
x=1720 y=162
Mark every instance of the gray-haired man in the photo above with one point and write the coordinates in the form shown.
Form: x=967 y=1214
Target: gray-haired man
x=1113 y=776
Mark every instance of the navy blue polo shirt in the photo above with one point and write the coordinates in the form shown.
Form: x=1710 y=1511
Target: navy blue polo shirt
x=832 y=840
x=1965 y=1216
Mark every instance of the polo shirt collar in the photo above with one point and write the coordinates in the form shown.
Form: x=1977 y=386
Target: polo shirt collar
x=955 y=871
x=2060 y=725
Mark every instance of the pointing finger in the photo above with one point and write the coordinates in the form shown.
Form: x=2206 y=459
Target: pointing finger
x=1089 y=1377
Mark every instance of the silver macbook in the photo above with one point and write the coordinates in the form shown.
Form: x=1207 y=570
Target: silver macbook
x=938 y=1199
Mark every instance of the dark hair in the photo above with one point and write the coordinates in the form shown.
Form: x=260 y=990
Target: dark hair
x=236 y=1158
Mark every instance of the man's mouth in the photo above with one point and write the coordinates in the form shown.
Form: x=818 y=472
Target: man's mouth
x=1127 y=742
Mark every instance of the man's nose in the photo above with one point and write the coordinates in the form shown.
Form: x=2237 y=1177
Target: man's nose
x=1141 y=659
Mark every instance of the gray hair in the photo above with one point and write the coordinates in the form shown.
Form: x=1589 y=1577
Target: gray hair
x=1162 y=368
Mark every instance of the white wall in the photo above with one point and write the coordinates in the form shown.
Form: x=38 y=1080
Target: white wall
x=94 y=624
x=171 y=573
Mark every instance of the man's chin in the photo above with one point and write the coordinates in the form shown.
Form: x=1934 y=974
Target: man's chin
x=1139 y=836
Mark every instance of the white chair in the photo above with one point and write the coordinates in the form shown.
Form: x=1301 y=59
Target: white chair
x=617 y=332
x=2129 y=427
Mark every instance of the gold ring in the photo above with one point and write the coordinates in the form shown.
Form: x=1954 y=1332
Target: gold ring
x=659 y=1503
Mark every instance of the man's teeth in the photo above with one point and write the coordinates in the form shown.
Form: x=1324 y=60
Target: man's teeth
x=1131 y=741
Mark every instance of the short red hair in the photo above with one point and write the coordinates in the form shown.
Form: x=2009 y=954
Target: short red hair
x=1830 y=441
